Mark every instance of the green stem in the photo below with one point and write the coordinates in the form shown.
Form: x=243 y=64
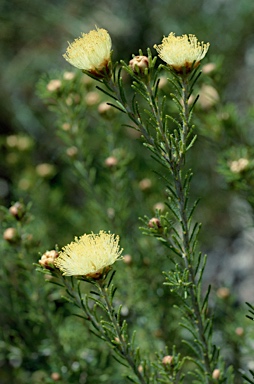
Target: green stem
x=123 y=345
x=188 y=255
x=137 y=120
x=124 y=350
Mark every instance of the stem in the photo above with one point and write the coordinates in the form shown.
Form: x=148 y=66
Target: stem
x=137 y=120
x=188 y=255
x=124 y=346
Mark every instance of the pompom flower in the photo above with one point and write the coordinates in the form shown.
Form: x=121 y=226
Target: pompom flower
x=90 y=52
x=89 y=254
x=182 y=53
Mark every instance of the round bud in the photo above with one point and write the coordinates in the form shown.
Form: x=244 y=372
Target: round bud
x=11 y=235
x=239 y=331
x=145 y=184
x=72 y=151
x=55 y=376
x=17 y=210
x=223 y=293
x=68 y=75
x=216 y=374
x=139 y=64
x=208 y=68
x=154 y=223
x=167 y=360
x=106 y=110
x=111 y=161
x=54 y=85
x=92 y=98
x=127 y=259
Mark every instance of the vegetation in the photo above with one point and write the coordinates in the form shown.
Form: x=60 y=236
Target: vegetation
x=132 y=151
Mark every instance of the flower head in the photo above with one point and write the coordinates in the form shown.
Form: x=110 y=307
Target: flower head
x=90 y=52
x=89 y=254
x=182 y=52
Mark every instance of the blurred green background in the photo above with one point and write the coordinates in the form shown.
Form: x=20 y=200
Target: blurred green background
x=34 y=36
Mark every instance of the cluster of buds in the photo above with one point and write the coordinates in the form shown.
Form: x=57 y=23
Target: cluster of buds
x=48 y=258
x=240 y=165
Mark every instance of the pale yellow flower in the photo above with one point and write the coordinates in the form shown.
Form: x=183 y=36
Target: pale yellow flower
x=90 y=52
x=180 y=52
x=89 y=254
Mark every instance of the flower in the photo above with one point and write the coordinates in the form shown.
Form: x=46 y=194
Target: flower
x=182 y=53
x=90 y=52
x=88 y=255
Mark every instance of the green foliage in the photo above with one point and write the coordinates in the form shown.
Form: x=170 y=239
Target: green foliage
x=82 y=167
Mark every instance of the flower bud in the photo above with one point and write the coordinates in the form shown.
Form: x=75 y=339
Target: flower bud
x=163 y=82
x=127 y=259
x=167 y=360
x=72 y=151
x=68 y=75
x=55 y=376
x=106 y=110
x=154 y=223
x=111 y=213
x=159 y=206
x=216 y=374
x=45 y=170
x=223 y=293
x=239 y=331
x=92 y=98
x=17 y=210
x=48 y=258
x=11 y=235
x=111 y=161
x=145 y=184
x=240 y=165
x=139 y=64
x=66 y=126
x=208 y=96
x=54 y=85
x=208 y=68
x=140 y=368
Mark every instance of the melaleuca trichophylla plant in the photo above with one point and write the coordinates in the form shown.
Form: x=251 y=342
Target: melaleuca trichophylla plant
x=89 y=259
